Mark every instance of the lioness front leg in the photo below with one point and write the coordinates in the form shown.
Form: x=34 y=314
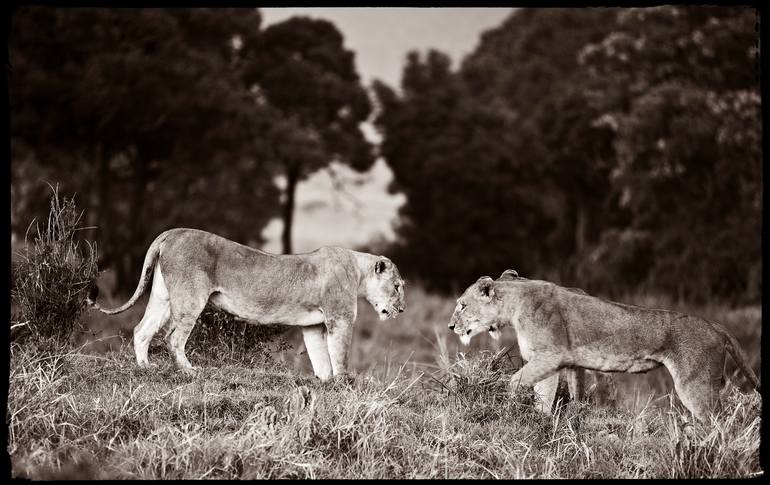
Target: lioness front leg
x=338 y=339
x=534 y=371
x=315 y=343
x=545 y=391
x=576 y=382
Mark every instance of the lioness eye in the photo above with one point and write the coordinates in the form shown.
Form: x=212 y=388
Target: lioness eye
x=396 y=285
x=462 y=306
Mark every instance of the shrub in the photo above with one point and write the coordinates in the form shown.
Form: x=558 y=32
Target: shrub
x=53 y=274
x=220 y=330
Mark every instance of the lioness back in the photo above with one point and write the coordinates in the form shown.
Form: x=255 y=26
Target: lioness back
x=250 y=282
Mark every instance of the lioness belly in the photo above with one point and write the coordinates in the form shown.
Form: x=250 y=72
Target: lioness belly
x=278 y=314
x=605 y=362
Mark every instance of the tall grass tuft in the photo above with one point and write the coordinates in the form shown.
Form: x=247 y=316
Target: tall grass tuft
x=53 y=274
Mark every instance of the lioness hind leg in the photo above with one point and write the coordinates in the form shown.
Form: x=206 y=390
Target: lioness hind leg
x=698 y=389
x=168 y=329
x=155 y=316
x=182 y=327
x=188 y=299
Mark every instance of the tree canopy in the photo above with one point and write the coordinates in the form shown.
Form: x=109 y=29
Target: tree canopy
x=145 y=114
x=608 y=147
x=302 y=72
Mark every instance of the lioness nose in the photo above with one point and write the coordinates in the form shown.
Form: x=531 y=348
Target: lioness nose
x=468 y=332
x=400 y=310
x=451 y=326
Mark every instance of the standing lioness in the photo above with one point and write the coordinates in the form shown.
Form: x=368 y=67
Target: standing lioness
x=318 y=291
x=560 y=327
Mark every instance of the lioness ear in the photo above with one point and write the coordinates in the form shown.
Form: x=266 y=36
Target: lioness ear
x=508 y=274
x=485 y=287
x=379 y=266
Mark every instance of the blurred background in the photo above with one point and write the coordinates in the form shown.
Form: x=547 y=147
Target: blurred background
x=617 y=150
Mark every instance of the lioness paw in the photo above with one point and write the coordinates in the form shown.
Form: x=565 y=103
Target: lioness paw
x=344 y=380
x=189 y=371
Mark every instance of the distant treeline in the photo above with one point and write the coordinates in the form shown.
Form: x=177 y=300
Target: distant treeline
x=609 y=148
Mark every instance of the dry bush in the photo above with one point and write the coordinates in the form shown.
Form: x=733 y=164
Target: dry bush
x=53 y=274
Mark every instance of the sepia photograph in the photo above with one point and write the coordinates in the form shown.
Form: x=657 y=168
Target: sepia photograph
x=384 y=243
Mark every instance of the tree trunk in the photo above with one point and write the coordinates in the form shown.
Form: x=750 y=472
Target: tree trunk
x=292 y=179
x=103 y=208
x=581 y=227
x=135 y=244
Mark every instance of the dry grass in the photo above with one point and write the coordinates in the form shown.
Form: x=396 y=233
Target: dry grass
x=416 y=409
x=52 y=275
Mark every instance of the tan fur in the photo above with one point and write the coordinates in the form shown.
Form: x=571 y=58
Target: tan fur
x=317 y=291
x=560 y=328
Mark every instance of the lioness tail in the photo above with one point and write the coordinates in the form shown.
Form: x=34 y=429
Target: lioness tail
x=149 y=264
x=735 y=351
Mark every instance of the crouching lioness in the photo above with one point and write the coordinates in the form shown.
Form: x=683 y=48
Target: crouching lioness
x=560 y=328
x=318 y=291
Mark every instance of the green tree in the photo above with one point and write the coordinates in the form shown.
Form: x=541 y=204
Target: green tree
x=529 y=65
x=143 y=112
x=300 y=70
x=510 y=128
x=469 y=207
x=687 y=137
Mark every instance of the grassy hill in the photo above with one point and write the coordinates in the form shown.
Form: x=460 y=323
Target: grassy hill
x=420 y=406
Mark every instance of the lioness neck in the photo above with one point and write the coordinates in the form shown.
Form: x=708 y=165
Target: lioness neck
x=364 y=262
x=509 y=297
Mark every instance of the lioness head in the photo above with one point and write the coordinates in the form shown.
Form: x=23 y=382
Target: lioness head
x=385 y=288
x=477 y=310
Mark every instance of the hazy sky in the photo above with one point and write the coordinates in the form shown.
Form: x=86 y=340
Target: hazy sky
x=381 y=38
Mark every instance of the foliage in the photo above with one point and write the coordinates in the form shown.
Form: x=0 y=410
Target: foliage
x=687 y=139
x=537 y=79
x=113 y=102
x=301 y=72
x=568 y=130
x=452 y=158
x=52 y=276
